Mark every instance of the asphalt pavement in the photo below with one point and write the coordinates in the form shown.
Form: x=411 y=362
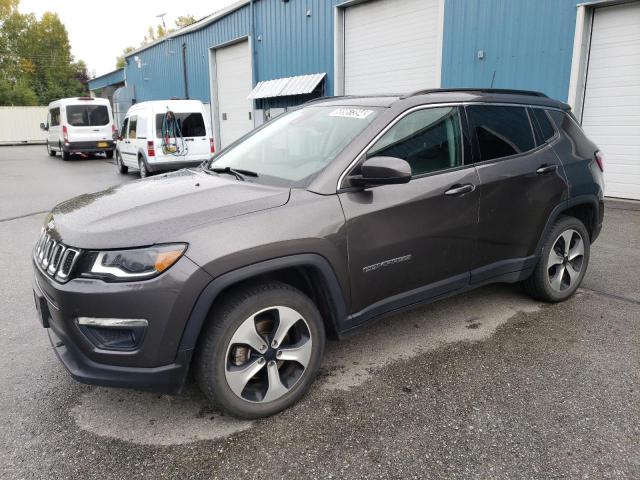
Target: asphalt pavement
x=490 y=384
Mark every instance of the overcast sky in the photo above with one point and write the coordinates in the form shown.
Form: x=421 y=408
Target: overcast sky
x=100 y=29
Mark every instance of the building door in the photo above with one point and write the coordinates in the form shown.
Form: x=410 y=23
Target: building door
x=392 y=46
x=233 y=74
x=611 y=111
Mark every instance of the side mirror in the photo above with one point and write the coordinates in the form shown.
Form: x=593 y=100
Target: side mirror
x=44 y=126
x=382 y=171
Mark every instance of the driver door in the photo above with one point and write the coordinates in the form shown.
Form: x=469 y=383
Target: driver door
x=413 y=241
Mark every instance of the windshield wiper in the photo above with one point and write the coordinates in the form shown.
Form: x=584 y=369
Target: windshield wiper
x=239 y=173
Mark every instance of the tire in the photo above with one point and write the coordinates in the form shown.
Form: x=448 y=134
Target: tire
x=221 y=355
x=109 y=154
x=66 y=156
x=52 y=153
x=560 y=270
x=122 y=168
x=142 y=168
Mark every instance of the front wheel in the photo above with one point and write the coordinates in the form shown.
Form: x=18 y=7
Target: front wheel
x=122 y=168
x=563 y=262
x=261 y=350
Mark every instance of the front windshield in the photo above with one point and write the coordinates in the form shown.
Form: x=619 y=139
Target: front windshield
x=295 y=147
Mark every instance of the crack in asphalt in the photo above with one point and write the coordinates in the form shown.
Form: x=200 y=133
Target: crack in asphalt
x=3 y=220
x=612 y=295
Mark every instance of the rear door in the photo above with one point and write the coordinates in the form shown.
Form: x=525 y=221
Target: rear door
x=414 y=241
x=89 y=122
x=55 y=134
x=522 y=181
x=192 y=126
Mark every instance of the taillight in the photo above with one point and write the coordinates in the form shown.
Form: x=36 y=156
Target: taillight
x=212 y=145
x=114 y=130
x=65 y=134
x=151 y=148
x=599 y=160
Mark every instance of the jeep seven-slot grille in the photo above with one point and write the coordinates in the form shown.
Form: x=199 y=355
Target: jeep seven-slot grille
x=54 y=258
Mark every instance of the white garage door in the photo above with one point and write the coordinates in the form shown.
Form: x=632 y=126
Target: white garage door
x=233 y=69
x=611 y=113
x=392 y=46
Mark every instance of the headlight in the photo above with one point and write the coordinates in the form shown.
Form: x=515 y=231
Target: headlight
x=131 y=265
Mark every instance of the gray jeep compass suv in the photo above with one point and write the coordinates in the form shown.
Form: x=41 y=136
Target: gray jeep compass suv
x=321 y=221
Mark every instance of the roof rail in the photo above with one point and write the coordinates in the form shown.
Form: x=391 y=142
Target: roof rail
x=484 y=90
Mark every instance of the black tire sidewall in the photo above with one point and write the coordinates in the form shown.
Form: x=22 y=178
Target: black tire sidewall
x=119 y=165
x=142 y=166
x=213 y=373
x=542 y=280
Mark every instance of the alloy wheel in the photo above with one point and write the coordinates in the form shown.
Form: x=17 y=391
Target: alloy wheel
x=565 y=261
x=268 y=354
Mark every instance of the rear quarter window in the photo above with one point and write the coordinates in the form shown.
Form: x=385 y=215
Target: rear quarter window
x=500 y=131
x=544 y=124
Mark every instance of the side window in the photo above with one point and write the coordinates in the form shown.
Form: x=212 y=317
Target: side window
x=501 y=131
x=544 y=124
x=55 y=117
x=123 y=130
x=133 y=127
x=141 y=126
x=428 y=139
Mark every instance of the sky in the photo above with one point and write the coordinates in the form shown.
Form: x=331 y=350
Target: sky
x=99 y=30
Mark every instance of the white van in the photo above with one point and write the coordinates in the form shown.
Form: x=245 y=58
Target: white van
x=164 y=135
x=80 y=125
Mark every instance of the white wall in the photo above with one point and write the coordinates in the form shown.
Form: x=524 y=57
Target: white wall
x=22 y=125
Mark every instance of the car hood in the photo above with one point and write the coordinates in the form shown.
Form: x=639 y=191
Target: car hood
x=158 y=209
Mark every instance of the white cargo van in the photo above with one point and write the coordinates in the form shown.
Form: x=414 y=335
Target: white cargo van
x=164 y=135
x=80 y=125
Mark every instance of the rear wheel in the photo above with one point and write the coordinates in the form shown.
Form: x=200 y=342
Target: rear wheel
x=563 y=263
x=122 y=168
x=261 y=350
x=65 y=155
x=142 y=168
x=109 y=154
x=52 y=153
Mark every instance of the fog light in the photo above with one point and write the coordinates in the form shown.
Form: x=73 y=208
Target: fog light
x=113 y=333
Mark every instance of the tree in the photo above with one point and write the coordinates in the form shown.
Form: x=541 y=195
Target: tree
x=7 y=7
x=185 y=21
x=120 y=63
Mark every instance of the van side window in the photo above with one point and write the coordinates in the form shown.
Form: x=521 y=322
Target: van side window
x=544 y=124
x=123 y=130
x=55 y=117
x=428 y=139
x=500 y=131
x=133 y=126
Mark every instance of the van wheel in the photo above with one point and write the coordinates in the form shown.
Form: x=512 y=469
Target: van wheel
x=122 y=168
x=109 y=154
x=261 y=350
x=65 y=155
x=563 y=262
x=142 y=168
x=52 y=153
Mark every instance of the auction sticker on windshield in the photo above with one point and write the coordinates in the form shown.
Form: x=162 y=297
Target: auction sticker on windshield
x=359 y=113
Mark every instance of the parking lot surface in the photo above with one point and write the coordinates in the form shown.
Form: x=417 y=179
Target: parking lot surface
x=490 y=384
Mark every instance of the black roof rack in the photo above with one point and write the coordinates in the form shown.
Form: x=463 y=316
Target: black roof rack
x=483 y=90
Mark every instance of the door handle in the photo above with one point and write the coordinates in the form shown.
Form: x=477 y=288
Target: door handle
x=546 y=169
x=189 y=139
x=460 y=189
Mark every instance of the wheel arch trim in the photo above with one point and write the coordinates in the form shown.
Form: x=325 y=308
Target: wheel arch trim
x=211 y=292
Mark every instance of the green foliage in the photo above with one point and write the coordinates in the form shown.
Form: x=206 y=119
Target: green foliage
x=120 y=60
x=185 y=21
x=36 y=65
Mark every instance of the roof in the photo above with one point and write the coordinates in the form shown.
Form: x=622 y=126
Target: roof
x=197 y=25
x=112 y=78
x=282 y=87
x=447 y=95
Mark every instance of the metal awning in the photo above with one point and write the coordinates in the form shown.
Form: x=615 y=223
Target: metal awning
x=283 y=87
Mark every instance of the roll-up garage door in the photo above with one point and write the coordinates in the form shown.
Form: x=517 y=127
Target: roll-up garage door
x=611 y=112
x=233 y=70
x=391 y=46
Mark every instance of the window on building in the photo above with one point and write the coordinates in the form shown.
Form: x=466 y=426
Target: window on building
x=428 y=139
x=54 y=113
x=542 y=119
x=501 y=131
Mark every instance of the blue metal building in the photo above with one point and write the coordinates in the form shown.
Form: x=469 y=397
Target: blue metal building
x=255 y=58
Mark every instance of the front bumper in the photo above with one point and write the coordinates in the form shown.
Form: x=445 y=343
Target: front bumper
x=158 y=363
x=89 y=146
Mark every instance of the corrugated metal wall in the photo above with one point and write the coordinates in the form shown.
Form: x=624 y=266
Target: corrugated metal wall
x=527 y=44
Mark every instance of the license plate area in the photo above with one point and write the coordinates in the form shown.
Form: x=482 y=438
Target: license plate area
x=102 y=144
x=43 y=309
